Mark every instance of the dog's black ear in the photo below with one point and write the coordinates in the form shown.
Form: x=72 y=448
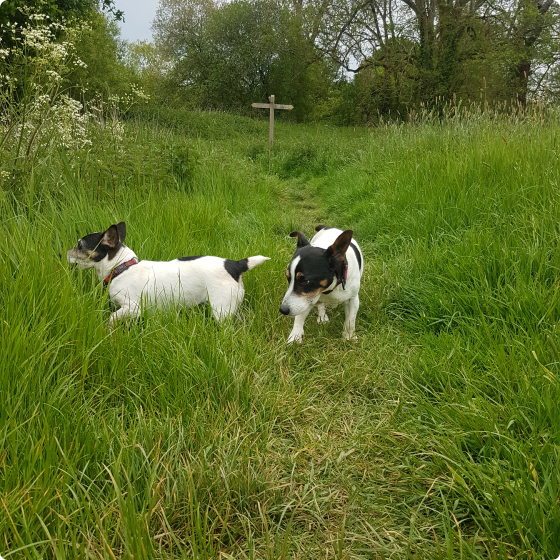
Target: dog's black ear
x=337 y=251
x=301 y=239
x=112 y=236
x=121 y=229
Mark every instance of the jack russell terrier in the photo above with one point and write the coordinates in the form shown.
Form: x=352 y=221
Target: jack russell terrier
x=135 y=284
x=323 y=273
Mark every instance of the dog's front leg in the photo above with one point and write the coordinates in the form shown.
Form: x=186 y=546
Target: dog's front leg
x=351 y=307
x=122 y=313
x=322 y=315
x=297 y=332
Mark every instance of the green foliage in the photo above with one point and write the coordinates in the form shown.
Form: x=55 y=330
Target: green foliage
x=70 y=40
x=60 y=11
x=105 y=72
x=386 y=86
x=395 y=59
x=17 y=11
x=39 y=117
x=463 y=218
x=207 y=125
x=183 y=164
x=229 y=56
x=147 y=64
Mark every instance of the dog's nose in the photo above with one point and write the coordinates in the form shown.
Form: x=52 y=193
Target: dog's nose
x=284 y=309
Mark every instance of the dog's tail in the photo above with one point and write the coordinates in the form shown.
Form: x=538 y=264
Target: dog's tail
x=255 y=261
x=237 y=268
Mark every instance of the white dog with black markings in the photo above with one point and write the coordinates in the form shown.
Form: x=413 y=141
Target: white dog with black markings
x=323 y=273
x=135 y=284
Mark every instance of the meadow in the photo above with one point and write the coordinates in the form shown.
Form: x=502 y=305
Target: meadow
x=436 y=435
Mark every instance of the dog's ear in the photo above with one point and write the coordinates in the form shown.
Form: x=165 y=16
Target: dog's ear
x=337 y=251
x=301 y=239
x=112 y=236
x=121 y=228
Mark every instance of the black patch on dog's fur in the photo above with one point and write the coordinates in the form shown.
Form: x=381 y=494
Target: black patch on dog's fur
x=315 y=269
x=93 y=242
x=190 y=258
x=321 y=227
x=96 y=246
x=236 y=268
x=358 y=256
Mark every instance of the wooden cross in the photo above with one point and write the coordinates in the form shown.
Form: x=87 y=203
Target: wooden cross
x=271 y=106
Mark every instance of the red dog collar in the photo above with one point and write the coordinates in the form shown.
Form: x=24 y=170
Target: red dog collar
x=119 y=270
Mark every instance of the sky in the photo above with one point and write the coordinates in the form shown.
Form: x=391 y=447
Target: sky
x=138 y=16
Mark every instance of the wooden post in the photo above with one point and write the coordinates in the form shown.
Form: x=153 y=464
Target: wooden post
x=271 y=106
x=271 y=121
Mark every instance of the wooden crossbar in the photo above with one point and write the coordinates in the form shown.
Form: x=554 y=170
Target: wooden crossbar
x=271 y=106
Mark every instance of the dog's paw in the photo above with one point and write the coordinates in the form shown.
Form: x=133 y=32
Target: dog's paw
x=353 y=336
x=112 y=325
x=296 y=338
x=322 y=315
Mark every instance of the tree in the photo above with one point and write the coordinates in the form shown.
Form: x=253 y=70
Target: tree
x=526 y=28
x=228 y=56
x=150 y=67
x=104 y=72
x=410 y=52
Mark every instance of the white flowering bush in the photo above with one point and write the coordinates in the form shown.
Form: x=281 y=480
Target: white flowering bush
x=36 y=112
x=35 y=109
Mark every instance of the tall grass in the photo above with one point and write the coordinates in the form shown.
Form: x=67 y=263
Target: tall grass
x=434 y=436
x=464 y=216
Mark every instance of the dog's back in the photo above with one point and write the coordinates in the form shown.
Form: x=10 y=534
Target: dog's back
x=186 y=280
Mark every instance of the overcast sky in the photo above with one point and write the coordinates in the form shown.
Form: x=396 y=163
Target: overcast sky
x=138 y=16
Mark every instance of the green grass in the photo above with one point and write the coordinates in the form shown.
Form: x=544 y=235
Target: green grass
x=436 y=435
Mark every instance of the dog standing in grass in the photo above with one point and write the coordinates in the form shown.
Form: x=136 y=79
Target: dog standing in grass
x=135 y=284
x=324 y=272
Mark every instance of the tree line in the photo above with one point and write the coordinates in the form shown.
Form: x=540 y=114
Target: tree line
x=356 y=60
x=346 y=61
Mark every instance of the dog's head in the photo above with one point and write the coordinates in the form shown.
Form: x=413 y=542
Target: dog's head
x=94 y=247
x=312 y=271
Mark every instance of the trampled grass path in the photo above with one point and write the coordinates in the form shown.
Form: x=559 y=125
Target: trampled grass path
x=353 y=455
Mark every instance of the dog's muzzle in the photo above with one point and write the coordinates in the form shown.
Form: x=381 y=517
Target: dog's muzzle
x=285 y=309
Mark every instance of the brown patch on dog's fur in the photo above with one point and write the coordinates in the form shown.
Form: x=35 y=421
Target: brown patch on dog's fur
x=313 y=294
x=324 y=283
x=308 y=295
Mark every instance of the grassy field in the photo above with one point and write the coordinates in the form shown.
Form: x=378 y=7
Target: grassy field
x=436 y=435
